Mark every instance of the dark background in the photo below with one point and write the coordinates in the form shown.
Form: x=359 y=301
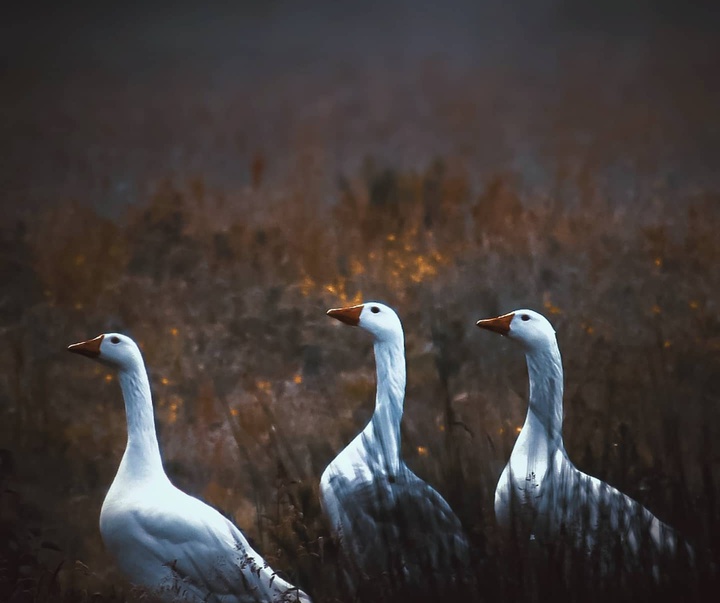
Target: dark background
x=100 y=100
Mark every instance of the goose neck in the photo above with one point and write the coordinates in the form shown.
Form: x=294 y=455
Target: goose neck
x=545 y=374
x=142 y=454
x=385 y=423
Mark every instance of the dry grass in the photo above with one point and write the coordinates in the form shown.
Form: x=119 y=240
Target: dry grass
x=256 y=390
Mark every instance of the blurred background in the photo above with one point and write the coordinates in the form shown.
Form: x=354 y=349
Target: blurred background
x=210 y=179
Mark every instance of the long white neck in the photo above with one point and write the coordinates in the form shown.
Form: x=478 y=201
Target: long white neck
x=384 y=427
x=142 y=454
x=545 y=409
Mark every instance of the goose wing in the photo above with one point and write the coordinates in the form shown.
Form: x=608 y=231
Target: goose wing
x=600 y=517
x=201 y=553
x=400 y=528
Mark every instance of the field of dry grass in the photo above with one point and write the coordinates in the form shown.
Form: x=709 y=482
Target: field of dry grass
x=216 y=226
x=256 y=389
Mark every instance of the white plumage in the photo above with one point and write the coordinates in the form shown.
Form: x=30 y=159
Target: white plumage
x=398 y=536
x=163 y=539
x=541 y=494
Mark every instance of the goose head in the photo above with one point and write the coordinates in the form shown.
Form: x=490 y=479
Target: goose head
x=374 y=317
x=531 y=330
x=112 y=349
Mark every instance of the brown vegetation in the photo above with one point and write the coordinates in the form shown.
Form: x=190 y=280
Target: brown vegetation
x=255 y=390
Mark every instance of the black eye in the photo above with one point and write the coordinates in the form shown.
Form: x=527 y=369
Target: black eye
x=525 y=317
x=115 y=339
x=374 y=309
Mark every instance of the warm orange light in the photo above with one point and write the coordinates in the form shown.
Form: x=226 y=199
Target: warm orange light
x=356 y=267
x=174 y=332
x=297 y=378
x=552 y=308
x=234 y=412
x=656 y=309
x=423 y=269
x=173 y=414
x=164 y=381
x=307 y=285
x=518 y=429
x=422 y=451
x=108 y=378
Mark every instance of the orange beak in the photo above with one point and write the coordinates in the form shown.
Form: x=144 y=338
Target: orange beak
x=349 y=315
x=89 y=348
x=500 y=324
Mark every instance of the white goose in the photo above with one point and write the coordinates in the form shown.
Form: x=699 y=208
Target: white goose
x=541 y=494
x=397 y=535
x=164 y=540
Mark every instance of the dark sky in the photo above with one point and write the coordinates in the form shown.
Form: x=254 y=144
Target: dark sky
x=125 y=34
x=102 y=99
